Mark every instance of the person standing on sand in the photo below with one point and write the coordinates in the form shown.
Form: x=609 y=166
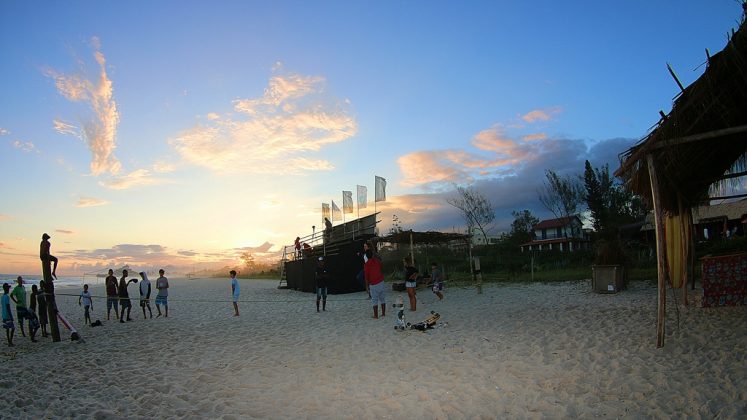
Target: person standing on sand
x=322 y=278
x=235 y=292
x=375 y=283
x=145 y=293
x=41 y=299
x=18 y=295
x=124 y=297
x=112 y=299
x=33 y=298
x=85 y=296
x=45 y=256
x=162 y=284
x=437 y=278
x=8 y=325
x=411 y=282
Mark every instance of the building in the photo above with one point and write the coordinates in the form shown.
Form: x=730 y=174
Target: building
x=479 y=239
x=563 y=234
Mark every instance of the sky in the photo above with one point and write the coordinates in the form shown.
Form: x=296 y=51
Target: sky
x=182 y=134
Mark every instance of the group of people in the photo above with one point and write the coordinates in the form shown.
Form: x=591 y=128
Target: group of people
x=373 y=278
x=37 y=302
x=118 y=297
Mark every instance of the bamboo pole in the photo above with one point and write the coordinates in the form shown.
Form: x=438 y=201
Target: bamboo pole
x=660 y=252
x=685 y=234
x=54 y=328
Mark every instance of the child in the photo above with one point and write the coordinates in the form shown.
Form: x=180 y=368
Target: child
x=399 y=321
x=85 y=295
x=438 y=281
x=8 y=325
x=235 y=292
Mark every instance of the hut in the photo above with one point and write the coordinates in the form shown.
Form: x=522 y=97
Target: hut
x=690 y=156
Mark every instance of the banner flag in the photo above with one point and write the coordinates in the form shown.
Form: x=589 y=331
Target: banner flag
x=347 y=201
x=362 y=194
x=336 y=214
x=380 y=189
x=325 y=212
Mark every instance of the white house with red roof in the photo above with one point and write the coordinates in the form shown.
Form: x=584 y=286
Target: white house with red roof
x=563 y=234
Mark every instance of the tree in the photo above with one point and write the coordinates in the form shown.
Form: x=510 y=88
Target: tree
x=396 y=225
x=609 y=204
x=522 y=228
x=248 y=260
x=476 y=210
x=561 y=195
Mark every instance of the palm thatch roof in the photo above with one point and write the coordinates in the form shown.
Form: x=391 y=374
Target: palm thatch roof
x=702 y=143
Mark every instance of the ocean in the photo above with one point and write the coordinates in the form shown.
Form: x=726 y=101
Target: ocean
x=62 y=281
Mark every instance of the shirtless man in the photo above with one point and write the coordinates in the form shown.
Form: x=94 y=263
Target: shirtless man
x=45 y=256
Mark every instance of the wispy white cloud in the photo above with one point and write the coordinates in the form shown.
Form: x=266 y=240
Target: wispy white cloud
x=281 y=129
x=65 y=128
x=136 y=178
x=4 y=132
x=25 y=146
x=64 y=231
x=541 y=114
x=163 y=167
x=90 y=202
x=100 y=130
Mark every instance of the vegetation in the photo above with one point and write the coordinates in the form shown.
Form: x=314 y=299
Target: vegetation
x=476 y=210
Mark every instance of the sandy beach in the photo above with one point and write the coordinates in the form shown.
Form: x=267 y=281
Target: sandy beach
x=515 y=351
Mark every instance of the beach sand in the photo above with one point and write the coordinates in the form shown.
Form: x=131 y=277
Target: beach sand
x=515 y=351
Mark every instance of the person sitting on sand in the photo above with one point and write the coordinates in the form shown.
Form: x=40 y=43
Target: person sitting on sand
x=45 y=256
x=8 y=325
x=375 y=283
x=145 y=293
x=162 y=284
x=235 y=292
x=112 y=299
x=411 y=279
x=124 y=297
x=85 y=296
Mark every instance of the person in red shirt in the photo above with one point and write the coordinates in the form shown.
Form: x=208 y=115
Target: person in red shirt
x=375 y=283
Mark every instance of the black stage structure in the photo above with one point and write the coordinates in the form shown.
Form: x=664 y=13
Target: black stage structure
x=341 y=248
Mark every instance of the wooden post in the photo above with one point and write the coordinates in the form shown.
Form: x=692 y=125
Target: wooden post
x=685 y=233
x=54 y=328
x=661 y=252
x=478 y=276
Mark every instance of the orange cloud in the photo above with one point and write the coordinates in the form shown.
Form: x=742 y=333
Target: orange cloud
x=90 y=202
x=136 y=178
x=278 y=130
x=535 y=137
x=541 y=114
x=100 y=130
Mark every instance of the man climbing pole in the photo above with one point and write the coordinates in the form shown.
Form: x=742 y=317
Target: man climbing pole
x=49 y=272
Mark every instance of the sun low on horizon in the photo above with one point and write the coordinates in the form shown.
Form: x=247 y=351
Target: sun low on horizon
x=185 y=134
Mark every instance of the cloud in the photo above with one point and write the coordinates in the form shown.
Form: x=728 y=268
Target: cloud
x=136 y=178
x=4 y=132
x=90 y=202
x=100 y=129
x=294 y=118
x=163 y=167
x=541 y=114
x=511 y=187
x=4 y=217
x=63 y=231
x=25 y=146
x=534 y=137
x=65 y=128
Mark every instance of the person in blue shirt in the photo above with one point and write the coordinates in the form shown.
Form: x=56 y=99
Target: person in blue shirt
x=235 y=291
x=8 y=325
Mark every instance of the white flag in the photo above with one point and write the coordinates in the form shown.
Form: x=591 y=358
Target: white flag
x=336 y=214
x=347 y=201
x=362 y=194
x=380 y=189
x=325 y=212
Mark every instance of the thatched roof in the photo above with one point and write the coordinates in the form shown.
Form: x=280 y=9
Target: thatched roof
x=703 y=138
